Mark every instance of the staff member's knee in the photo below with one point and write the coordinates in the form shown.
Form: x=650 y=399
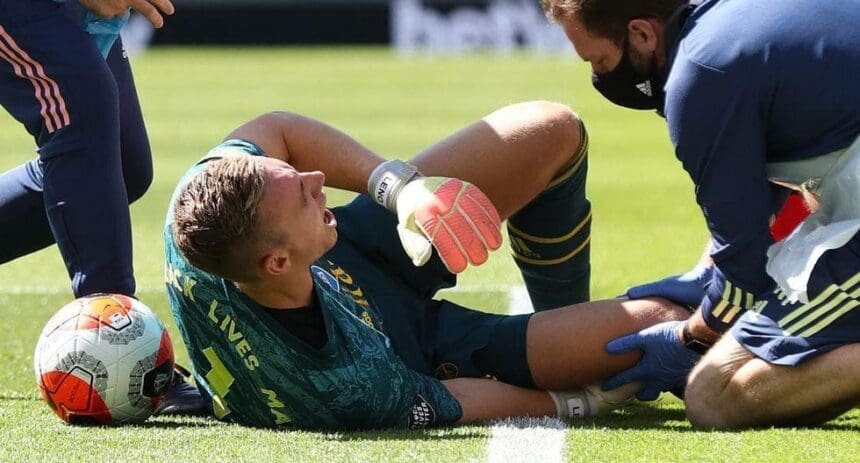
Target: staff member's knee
x=717 y=395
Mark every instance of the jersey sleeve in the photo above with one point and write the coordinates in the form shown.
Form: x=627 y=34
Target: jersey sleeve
x=717 y=124
x=233 y=147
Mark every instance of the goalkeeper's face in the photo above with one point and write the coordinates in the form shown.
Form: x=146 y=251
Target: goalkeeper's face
x=293 y=208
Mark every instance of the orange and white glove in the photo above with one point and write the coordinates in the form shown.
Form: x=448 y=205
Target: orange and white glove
x=449 y=214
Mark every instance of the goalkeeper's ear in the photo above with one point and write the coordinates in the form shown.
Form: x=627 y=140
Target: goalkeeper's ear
x=276 y=263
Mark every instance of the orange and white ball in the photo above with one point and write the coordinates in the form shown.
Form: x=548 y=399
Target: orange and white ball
x=104 y=359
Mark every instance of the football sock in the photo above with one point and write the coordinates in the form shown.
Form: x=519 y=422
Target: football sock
x=550 y=238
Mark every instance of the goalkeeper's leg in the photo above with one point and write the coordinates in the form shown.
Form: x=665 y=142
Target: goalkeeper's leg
x=530 y=159
x=566 y=346
x=550 y=366
x=484 y=399
x=550 y=237
x=512 y=155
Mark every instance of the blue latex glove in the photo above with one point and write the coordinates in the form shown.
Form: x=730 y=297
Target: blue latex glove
x=687 y=289
x=664 y=365
x=104 y=31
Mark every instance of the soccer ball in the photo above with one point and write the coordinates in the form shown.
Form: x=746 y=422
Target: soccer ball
x=104 y=359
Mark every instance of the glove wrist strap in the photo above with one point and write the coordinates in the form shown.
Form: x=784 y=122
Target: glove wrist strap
x=388 y=179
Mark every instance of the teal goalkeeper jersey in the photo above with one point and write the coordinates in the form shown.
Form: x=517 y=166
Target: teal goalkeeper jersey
x=257 y=373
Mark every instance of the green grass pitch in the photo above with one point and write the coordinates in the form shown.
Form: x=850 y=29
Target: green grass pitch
x=646 y=225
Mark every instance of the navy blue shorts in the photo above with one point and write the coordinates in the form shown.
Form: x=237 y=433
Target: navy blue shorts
x=789 y=333
x=434 y=337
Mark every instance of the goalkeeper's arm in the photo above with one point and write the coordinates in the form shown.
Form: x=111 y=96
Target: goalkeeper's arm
x=452 y=215
x=311 y=145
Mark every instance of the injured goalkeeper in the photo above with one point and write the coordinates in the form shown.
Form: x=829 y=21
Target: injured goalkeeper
x=297 y=315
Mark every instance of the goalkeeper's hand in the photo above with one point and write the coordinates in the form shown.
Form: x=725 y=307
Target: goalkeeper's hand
x=452 y=215
x=449 y=214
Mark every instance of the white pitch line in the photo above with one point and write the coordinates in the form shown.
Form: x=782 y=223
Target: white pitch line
x=526 y=440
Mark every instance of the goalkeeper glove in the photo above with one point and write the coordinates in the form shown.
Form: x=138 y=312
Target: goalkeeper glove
x=449 y=214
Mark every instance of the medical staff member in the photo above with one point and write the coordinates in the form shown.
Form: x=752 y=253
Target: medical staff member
x=760 y=98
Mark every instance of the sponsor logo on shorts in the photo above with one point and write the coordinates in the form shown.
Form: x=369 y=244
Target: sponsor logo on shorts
x=367 y=319
x=447 y=370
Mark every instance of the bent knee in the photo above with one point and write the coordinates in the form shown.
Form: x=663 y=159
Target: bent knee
x=556 y=114
x=565 y=126
x=702 y=397
x=715 y=397
x=568 y=138
x=559 y=126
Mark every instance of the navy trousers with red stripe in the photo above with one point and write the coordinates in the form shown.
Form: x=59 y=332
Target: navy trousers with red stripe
x=93 y=152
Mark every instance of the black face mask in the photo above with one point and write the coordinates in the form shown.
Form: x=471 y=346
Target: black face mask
x=627 y=87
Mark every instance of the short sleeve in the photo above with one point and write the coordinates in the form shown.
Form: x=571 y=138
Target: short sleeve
x=233 y=147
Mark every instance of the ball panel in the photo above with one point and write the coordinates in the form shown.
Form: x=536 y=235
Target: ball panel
x=70 y=393
x=106 y=311
x=104 y=359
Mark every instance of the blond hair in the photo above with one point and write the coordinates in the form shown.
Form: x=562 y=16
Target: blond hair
x=215 y=219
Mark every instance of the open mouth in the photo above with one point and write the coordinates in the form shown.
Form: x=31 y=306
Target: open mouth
x=328 y=218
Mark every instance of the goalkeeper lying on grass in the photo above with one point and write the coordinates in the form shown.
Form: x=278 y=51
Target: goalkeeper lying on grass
x=296 y=315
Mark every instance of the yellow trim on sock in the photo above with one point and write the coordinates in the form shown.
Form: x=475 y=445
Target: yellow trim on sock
x=571 y=255
x=576 y=161
x=540 y=240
